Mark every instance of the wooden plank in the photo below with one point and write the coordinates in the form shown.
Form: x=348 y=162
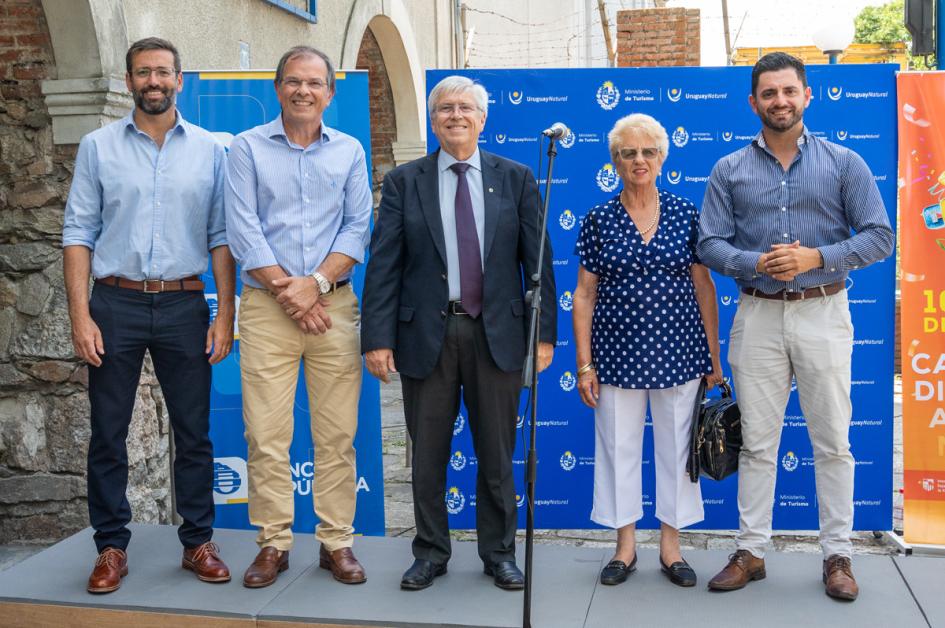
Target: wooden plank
x=25 y=615
x=269 y=623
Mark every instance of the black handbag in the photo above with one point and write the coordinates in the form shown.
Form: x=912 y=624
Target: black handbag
x=716 y=435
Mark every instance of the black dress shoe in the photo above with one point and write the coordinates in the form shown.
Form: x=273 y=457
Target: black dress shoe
x=421 y=575
x=617 y=571
x=506 y=575
x=679 y=573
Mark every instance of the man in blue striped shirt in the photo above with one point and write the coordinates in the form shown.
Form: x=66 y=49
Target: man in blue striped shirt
x=778 y=216
x=298 y=211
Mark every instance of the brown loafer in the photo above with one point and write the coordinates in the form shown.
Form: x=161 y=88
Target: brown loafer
x=204 y=560
x=838 y=578
x=741 y=569
x=342 y=564
x=110 y=567
x=266 y=567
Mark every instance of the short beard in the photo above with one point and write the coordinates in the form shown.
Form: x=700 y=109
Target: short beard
x=781 y=127
x=153 y=108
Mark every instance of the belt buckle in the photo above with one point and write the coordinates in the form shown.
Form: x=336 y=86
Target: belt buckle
x=159 y=282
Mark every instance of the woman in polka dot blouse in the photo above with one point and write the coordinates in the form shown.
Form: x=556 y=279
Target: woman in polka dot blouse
x=646 y=329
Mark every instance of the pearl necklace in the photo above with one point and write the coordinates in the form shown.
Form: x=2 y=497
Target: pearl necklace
x=653 y=223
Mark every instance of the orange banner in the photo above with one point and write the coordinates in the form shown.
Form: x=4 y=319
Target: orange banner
x=922 y=285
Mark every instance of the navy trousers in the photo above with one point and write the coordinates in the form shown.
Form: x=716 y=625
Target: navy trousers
x=172 y=326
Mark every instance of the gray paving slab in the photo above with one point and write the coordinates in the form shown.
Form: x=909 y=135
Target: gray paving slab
x=792 y=595
x=926 y=578
x=155 y=579
x=563 y=585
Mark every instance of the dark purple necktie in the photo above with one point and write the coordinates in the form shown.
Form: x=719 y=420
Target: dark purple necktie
x=467 y=243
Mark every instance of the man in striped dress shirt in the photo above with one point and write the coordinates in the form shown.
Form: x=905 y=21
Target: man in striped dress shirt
x=777 y=217
x=298 y=210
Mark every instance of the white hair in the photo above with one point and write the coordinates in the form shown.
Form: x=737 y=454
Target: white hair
x=645 y=124
x=462 y=85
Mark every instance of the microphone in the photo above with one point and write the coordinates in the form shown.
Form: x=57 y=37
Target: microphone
x=556 y=131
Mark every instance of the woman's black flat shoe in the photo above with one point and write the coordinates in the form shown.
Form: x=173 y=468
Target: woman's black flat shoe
x=679 y=573
x=617 y=571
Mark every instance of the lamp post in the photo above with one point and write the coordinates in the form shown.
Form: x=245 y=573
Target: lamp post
x=833 y=37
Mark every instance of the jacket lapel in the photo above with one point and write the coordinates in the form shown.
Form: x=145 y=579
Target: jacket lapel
x=428 y=189
x=492 y=182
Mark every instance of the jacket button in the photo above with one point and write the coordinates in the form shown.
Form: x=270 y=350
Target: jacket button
x=442 y=314
x=443 y=276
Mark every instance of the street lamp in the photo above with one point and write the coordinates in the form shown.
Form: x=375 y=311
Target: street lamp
x=834 y=36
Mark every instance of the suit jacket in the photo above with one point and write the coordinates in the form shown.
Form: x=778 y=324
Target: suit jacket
x=406 y=295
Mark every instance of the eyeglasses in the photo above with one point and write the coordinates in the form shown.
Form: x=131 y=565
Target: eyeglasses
x=314 y=84
x=162 y=73
x=446 y=109
x=631 y=153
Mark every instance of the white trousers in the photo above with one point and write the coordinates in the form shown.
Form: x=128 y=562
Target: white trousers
x=618 y=454
x=813 y=341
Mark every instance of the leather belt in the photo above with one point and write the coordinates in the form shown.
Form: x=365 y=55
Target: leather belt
x=338 y=284
x=789 y=295
x=456 y=308
x=154 y=286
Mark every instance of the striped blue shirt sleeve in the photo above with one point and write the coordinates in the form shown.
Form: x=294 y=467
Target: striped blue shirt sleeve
x=873 y=239
x=717 y=230
x=82 y=223
x=243 y=229
x=216 y=224
x=352 y=238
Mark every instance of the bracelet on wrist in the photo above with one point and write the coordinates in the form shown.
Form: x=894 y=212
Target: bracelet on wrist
x=585 y=368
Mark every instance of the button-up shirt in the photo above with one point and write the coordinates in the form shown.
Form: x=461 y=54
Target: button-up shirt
x=447 y=183
x=292 y=206
x=751 y=202
x=147 y=212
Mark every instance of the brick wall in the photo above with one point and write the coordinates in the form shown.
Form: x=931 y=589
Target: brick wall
x=383 y=119
x=658 y=37
x=44 y=409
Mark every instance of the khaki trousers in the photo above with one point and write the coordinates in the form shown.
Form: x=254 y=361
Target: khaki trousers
x=813 y=341
x=271 y=345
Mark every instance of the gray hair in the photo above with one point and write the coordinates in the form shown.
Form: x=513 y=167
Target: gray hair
x=648 y=125
x=306 y=51
x=462 y=85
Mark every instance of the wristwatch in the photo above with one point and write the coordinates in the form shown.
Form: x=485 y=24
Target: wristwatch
x=324 y=286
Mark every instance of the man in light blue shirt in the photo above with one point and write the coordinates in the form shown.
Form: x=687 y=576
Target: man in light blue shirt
x=298 y=207
x=145 y=207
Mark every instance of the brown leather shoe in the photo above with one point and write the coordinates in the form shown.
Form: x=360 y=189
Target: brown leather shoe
x=342 y=564
x=266 y=567
x=838 y=578
x=741 y=569
x=204 y=560
x=110 y=567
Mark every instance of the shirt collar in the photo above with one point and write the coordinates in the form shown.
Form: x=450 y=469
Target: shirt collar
x=179 y=122
x=801 y=140
x=277 y=129
x=444 y=160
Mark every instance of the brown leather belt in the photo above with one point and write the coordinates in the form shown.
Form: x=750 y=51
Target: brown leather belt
x=788 y=295
x=153 y=286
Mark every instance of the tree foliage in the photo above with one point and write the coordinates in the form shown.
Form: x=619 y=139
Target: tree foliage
x=886 y=24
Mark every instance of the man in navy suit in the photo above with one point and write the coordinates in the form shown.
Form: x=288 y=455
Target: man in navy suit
x=457 y=235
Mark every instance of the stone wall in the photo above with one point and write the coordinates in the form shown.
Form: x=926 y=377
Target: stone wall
x=44 y=410
x=383 y=118
x=658 y=37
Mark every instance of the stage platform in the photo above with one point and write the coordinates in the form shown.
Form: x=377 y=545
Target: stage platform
x=48 y=589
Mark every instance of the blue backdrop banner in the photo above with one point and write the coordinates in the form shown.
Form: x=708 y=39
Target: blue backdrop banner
x=227 y=103
x=707 y=115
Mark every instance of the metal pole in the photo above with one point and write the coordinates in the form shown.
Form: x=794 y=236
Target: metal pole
x=728 y=42
x=458 y=32
x=832 y=57
x=940 y=34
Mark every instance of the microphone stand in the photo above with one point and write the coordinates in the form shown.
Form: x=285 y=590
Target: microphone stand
x=530 y=381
